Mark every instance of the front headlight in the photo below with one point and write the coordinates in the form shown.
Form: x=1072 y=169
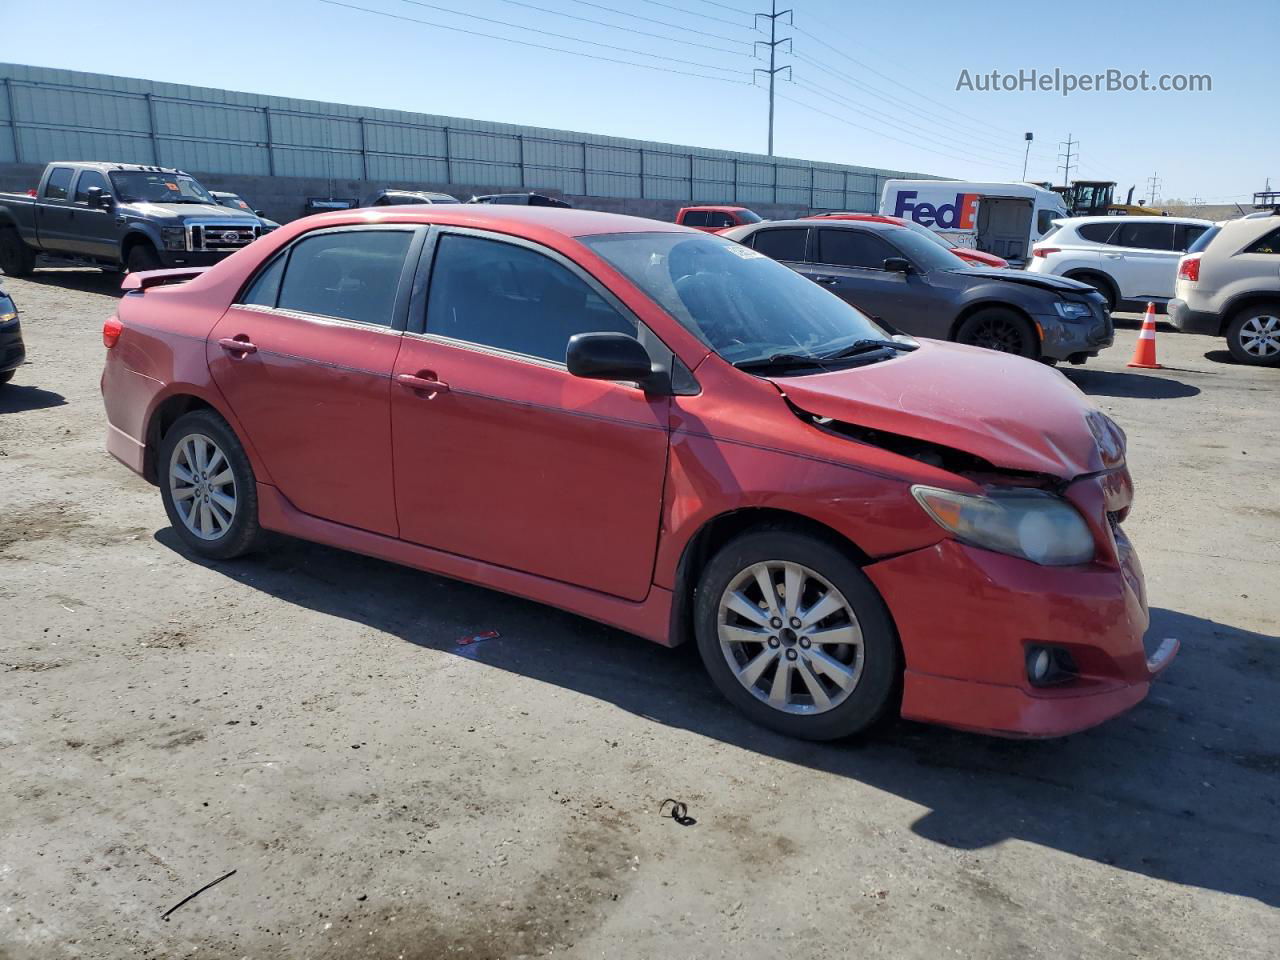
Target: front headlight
x=174 y=238
x=1069 y=310
x=1031 y=524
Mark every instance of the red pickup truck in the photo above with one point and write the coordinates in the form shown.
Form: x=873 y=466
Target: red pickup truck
x=712 y=219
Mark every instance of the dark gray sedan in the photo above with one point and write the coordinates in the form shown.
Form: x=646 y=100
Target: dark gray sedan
x=919 y=288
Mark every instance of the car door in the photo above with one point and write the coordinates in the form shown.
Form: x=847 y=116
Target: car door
x=789 y=245
x=304 y=357
x=850 y=263
x=53 y=225
x=500 y=454
x=1143 y=251
x=94 y=228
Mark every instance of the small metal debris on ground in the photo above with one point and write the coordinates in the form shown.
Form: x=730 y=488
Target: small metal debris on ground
x=679 y=812
x=477 y=637
x=165 y=916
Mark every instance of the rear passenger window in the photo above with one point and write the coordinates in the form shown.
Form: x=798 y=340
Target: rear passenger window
x=854 y=248
x=265 y=289
x=1097 y=232
x=1269 y=243
x=500 y=295
x=695 y=218
x=783 y=244
x=58 y=184
x=1189 y=234
x=352 y=275
x=1145 y=236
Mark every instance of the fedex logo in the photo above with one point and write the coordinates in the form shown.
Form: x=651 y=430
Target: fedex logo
x=949 y=216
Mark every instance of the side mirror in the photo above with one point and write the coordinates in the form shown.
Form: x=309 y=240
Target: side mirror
x=611 y=356
x=97 y=198
x=897 y=264
x=259 y=213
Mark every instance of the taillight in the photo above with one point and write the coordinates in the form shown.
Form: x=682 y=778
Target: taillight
x=111 y=331
x=1189 y=268
x=1044 y=251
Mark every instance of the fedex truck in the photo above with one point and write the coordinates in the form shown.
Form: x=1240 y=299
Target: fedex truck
x=1000 y=218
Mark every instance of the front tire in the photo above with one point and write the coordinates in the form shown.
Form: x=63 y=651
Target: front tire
x=143 y=257
x=1253 y=336
x=6 y=376
x=16 y=258
x=795 y=635
x=208 y=487
x=996 y=328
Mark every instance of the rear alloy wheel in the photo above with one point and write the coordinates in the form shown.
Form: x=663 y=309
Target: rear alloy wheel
x=1001 y=330
x=208 y=486
x=794 y=635
x=1253 y=337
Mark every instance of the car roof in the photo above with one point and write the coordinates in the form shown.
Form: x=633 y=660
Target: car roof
x=519 y=220
x=1128 y=218
x=714 y=207
x=835 y=223
x=111 y=165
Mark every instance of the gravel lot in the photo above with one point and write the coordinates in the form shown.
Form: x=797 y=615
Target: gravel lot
x=307 y=718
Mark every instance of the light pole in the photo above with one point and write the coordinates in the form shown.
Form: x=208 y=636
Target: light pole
x=1026 y=156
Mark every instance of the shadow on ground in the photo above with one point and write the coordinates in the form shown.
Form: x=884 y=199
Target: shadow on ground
x=84 y=279
x=17 y=397
x=1105 y=383
x=1185 y=788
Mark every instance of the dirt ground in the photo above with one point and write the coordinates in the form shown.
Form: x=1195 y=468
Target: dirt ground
x=308 y=719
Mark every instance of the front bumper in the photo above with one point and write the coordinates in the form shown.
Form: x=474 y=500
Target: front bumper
x=966 y=617
x=13 y=352
x=1193 y=321
x=192 y=258
x=1074 y=339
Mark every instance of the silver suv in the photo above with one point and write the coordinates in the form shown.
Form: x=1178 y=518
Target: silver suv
x=1229 y=285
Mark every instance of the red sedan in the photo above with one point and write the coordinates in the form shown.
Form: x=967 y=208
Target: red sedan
x=659 y=429
x=970 y=255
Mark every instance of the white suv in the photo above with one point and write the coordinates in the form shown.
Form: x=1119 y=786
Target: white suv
x=1132 y=261
x=1229 y=285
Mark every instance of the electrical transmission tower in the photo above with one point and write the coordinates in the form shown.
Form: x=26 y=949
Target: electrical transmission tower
x=773 y=43
x=1066 y=164
x=1153 y=185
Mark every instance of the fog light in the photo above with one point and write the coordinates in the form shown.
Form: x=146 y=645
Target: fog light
x=1038 y=664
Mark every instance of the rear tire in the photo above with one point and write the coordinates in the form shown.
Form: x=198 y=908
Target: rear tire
x=1253 y=336
x=143 y=257
x=6 y=376
x=996 y=328
x=830 y=677
x=208 y=487
x=16 y=258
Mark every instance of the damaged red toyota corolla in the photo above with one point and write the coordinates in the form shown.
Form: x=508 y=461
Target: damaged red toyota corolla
x=662 y=430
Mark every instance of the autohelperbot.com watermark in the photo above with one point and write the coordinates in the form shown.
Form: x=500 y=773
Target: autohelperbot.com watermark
x=1066 y=82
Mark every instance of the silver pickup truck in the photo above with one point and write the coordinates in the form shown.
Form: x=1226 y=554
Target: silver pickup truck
x=118 y=216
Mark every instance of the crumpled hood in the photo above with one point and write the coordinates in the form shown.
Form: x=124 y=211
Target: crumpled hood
x=1045 y=281
x=1014 y=413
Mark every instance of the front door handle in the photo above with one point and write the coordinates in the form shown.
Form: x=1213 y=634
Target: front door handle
x=241 y=345
x=424 y=381
x=829 y=281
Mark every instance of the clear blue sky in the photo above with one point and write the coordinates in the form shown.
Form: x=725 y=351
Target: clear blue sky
x=884 y=74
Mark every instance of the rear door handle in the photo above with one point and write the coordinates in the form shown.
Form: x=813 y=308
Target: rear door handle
x=238 y=345
x=424 y=381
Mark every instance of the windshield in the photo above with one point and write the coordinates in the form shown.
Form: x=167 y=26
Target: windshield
x=1204 y=239
x=139 y=186
x=924 y=252
x=749 y=216
x=231 y=200
x=740 y=303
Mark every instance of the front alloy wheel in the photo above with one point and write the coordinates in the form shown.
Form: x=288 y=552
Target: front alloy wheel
x=791 y=638
x=999 y=329
x=795 y=635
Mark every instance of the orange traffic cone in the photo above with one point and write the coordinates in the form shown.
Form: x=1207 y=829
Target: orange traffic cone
x=1144 y=351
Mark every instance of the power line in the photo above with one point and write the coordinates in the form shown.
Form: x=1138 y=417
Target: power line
x=868 y=111
x=617 y=26
x=838 y=119
x=725 y=6
x=705 y=16
x=858 y=84
x=539 y=46
x=894 y=80
x=662 y=23
x=561 y=36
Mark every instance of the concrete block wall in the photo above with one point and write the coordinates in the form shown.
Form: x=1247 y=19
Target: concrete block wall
x=283 y=198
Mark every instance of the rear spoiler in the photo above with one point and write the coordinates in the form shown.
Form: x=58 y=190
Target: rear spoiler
x=158 y=278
